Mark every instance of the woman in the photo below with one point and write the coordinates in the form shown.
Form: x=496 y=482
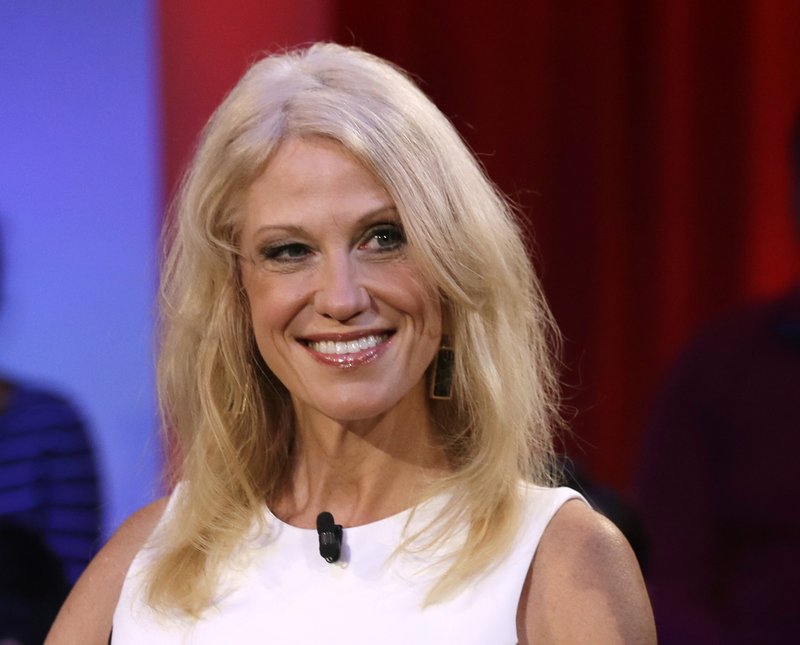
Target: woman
x=352 y=326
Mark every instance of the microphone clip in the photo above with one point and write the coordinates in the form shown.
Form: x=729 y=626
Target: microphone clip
x=330 y=537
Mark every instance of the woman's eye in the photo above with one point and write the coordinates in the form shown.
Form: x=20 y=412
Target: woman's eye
x=285 y=252
x=385 y=237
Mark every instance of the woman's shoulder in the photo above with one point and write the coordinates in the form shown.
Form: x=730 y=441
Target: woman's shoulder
x=87 y=614
x=585 y=584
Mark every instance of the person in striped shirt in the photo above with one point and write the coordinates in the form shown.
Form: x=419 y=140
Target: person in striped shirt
x=48 y=475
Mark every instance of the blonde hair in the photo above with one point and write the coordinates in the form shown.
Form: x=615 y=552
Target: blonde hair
x=233 y=419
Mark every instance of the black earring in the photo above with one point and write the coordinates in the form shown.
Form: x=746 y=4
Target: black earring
x=442 y=376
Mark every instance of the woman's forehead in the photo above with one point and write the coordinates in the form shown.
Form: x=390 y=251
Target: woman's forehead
x=312 y=180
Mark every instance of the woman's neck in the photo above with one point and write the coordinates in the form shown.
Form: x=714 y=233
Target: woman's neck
x=361 y=471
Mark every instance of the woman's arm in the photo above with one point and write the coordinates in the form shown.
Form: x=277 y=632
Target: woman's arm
x=88 y=611
x=584 y=585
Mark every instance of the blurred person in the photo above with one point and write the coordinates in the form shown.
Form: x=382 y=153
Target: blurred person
x=352 y=329
x=719 y=484
x=48 y=479
x=48 y=475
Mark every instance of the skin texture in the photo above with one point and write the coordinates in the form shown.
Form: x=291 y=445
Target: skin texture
x=584 y=585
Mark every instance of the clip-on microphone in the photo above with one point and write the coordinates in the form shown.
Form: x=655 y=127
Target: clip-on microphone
x=330 y=537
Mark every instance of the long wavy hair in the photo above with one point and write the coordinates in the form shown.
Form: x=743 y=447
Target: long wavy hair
x=233 y=419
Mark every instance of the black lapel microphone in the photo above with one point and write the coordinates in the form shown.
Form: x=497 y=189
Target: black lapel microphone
x=330 y=537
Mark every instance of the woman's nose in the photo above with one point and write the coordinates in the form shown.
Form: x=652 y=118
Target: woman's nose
x=340 y=294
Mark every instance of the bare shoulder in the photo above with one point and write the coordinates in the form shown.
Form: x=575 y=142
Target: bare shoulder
x=87 y=614
x=585 y=584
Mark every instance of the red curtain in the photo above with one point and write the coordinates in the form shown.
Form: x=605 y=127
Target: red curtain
x=646 y=143
x=206 y=45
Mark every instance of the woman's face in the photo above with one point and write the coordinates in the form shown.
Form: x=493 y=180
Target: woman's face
x=339 y=311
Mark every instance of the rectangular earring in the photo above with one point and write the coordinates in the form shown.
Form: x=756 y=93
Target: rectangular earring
x=442 y=376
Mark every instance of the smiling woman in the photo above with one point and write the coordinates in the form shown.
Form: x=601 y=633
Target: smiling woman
x=325 y=272
x=335 y=244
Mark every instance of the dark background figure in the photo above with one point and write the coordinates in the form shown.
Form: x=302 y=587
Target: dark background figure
x=48 y=479
x=719 y=484
x=32 y=585
x=48 y=475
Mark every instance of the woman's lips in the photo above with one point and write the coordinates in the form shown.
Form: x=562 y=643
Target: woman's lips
x=347 y=350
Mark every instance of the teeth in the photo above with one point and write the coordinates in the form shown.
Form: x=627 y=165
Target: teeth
x=349 y=347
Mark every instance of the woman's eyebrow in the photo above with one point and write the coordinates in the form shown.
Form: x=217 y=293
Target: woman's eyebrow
x=378 y=211
x=294 y=229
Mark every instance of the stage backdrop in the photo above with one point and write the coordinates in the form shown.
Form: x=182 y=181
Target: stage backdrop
x=645 y=142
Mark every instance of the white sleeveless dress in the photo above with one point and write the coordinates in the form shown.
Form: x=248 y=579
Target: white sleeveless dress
x=285 y=593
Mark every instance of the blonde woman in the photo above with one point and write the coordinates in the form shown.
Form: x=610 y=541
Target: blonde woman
x=356 y=360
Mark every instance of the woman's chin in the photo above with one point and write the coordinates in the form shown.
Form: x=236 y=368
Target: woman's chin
x=352 y=406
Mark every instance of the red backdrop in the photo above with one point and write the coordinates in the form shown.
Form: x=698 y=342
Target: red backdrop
x=646 y=142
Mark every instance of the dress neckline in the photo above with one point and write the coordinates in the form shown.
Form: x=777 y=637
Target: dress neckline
x=432 y=504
